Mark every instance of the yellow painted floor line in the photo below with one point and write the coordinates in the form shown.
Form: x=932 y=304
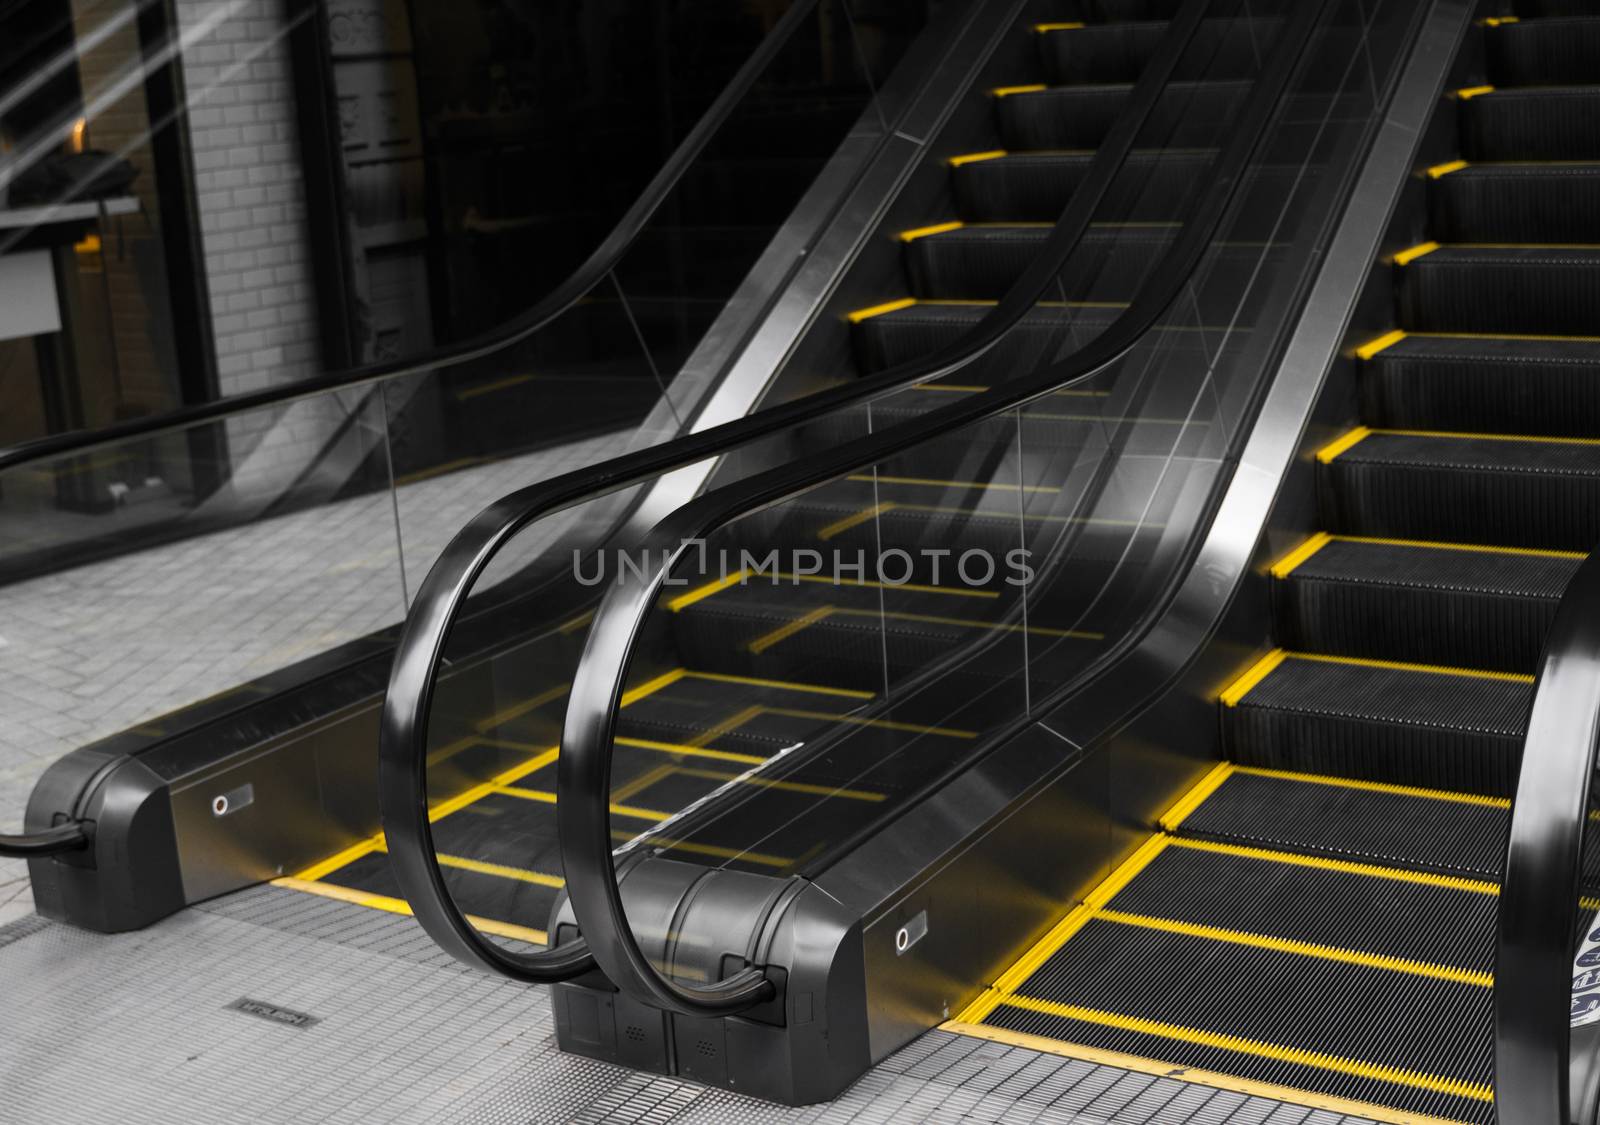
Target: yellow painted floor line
x=1294 y=1055
x=1298 y=948
x=1343 y=866
x=1378 y=787
x=400 y=906
x=1192 y=1076
x=1285 y=566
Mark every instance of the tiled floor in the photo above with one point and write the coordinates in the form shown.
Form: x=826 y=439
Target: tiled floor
x=97 y=649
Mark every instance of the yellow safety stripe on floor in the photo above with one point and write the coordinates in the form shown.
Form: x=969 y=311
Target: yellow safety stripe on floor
x=1298 y=948
x=1412 y=253
x=400 y=906
x=1298 y=1056
x=1377 y=787
x=1194 y=1076
x=1285 y=566
x=1439 y=171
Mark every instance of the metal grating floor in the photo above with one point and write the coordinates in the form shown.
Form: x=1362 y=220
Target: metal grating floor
x=134 y=1028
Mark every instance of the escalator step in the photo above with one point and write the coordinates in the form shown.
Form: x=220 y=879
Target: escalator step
x=1188 y=115
x=1503 y=492
x=1546 y=387
x=1266 y=1015
x=1442 y=729
x=1118 y=52
x=1429 y=605
x=1384 y=913
x=1036 y=186
x=1532 y=123
x=1542 y=52
x=1461 y=835
x=912 y=331
x=983 y=261
x=1551 y=289
x=1516 y=203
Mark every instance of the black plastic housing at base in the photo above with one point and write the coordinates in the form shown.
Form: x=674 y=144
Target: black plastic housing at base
x=808 y=1045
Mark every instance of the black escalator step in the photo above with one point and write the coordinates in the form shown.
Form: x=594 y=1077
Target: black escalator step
x=1188 y=115
x=1371 y=721
x=1516 y=202
x=1542 y=52
x=1531 y=123
x=909 y=331
x=1546 y=387
x=1118 y=52
x=1550 y=289
x=1414 y=602
x=982 y=261
x=1463 y=488
x=1377 y=912
x=1459 y=835
x=1036 y=186
x=1269 y=1016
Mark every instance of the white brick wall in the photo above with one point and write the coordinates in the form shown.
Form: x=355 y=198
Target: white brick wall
x=253 y=227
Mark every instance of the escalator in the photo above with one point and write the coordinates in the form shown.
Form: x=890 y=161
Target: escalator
x=1098 y=816
x=763 y=658
x=1349 y=852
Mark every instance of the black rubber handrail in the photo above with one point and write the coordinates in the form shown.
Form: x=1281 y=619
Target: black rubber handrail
x=584 y=767
x=402 y=772
x=52 y=841
x=591 y=273
x=1539 y=907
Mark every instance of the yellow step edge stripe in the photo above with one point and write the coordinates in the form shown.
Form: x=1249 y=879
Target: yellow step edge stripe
x=501 y=871
x=1298 y=1056
x=878 y=310
x=544 y=797
x=1471 y=436
x=1533 y=336
x=400 y=906
x=1343 y=866
x=1411 y=254
x=1068 y=26
x=340 y=859
x=1260 y=670
x=1378 y=787
x=782 y=685
x=701 y=593
x=785 y=786
x=861 y=720
x=650 y=687
x=1440 y=545
x=1438 y=171
x=928 y=481
x=839 y=527
x=1059 y=934
x=1497 y=21
x=1299 y=948
x=784 y=632
x=1406 y=666
x=1342 y=444
x=1373 y=347
x=1193 y=1076
x=1007 y=91
x=1285 y=566
x=1470 y=92
x=1209 y=784
x=975 y=157
x=935 y=228
x=690 y=751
